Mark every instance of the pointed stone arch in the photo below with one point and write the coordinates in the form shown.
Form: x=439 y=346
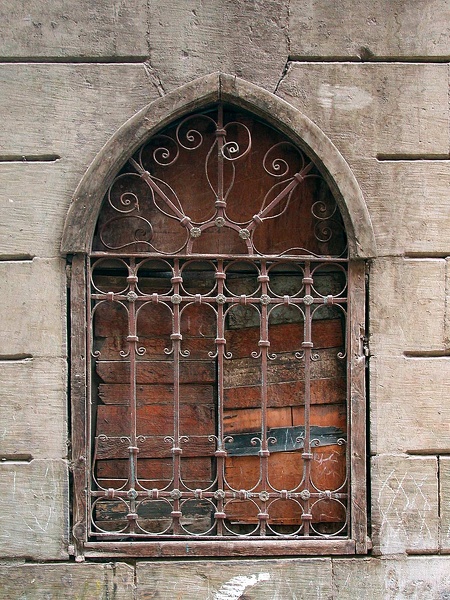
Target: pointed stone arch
x=83 y=212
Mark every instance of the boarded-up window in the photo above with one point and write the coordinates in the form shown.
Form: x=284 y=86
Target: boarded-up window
x=219 y=316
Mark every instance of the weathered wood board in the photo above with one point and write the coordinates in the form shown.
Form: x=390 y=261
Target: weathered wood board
x=404 y=504
x=367 y=109
x=384 y=29
x=34 y=510
x=156 y=419
x=33 y=408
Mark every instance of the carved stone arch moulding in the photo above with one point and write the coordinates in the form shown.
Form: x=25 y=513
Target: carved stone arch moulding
x=83 y=212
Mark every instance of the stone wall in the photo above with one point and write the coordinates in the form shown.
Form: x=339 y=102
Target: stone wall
x=375 y=80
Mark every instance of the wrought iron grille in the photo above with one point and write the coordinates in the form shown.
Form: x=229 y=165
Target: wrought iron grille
x=217 y=303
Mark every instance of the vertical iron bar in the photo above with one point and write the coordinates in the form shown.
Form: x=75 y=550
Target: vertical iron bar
x=307 y=345
x=220 y=452
x=264 y=345
x=132 y=339
x=176 y=341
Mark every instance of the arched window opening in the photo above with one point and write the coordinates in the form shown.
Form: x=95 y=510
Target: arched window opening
x=221 y=310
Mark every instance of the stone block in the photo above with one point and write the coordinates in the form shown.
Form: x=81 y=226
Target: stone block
x=33 y=405
x=34 y=199
x=34 y=510
x=190 y=39
x=67 y=581
x=408 y=204
x=68 y=110
x=32 y=308
x=371 y=109
x=62 y=30
x=383 y=29
x=358 y=578
x=410 y=411
x=412 y=577
x=407 y=306
x=289 y=579
x=417 y=578
x=444 y=491
x=404 y=504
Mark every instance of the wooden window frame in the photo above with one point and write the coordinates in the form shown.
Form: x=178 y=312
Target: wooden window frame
x=76 y=246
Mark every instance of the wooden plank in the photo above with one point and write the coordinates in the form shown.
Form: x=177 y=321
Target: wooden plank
x=286 y=337
x=286 y=469
x=357 y=402
x=119 y=393
x=219 y=548
x=328 y=468
x=323 y=391
x=285 y=367
x=156 y=419
x=78 y=390
x=283 y=439
x=157 y=372
x=322 y=415
x=239 y=421
x=199 y=348
x=153 y=447
x=154 y=515
x=153 y=320
x=192 y=468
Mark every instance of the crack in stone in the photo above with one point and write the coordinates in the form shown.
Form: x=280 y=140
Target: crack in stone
x=154 y=78
x=285 y=71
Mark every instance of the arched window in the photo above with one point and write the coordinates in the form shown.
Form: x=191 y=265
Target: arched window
x=222 y=314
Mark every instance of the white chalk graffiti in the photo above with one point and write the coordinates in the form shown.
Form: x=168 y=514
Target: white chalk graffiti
x=235 y=587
